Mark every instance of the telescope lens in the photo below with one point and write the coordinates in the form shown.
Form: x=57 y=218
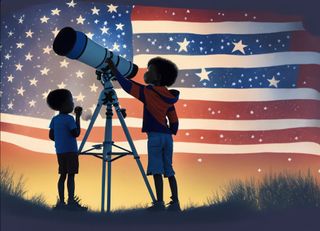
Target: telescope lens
x=65 y=40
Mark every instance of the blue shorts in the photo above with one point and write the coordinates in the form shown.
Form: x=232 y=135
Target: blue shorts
x=160 y=149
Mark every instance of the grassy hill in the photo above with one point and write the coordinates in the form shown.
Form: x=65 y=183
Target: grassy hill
x=279 y=202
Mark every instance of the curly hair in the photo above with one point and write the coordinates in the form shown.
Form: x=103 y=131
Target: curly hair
x=57 y=97
x=167 y=69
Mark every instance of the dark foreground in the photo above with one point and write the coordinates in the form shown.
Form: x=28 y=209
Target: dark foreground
x=21 y=215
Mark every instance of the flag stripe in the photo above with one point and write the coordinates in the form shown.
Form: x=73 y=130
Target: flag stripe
x=304 y=41
x=235 y=61
x=309 y=77
x=290 y=109
x=205 y=124
x=148 y=13
x=146 y=27
x=213 y=43
x=40 y=145
x=240 y=95
x=195 y=135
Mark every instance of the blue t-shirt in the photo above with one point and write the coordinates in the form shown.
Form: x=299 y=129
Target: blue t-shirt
x=62 y=124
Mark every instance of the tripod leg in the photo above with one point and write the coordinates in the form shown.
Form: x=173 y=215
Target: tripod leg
x=93 y=119
x=133 y=148
x=107 y=151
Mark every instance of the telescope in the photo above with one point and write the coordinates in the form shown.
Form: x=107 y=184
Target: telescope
x=76 y=45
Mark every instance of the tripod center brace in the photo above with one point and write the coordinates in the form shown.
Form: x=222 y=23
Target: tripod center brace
x=108 y=98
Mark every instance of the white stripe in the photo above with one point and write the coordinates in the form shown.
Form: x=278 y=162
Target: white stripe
x=187 y=62
x=46 y=146
x=203 y=124
x=240 y=95
x=143 y=27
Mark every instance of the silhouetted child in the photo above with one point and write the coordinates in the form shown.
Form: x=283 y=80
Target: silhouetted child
x=63 y=131
x=158 y=106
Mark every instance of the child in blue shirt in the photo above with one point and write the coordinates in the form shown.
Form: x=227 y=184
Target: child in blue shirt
x=63 y=131
x=158 y=109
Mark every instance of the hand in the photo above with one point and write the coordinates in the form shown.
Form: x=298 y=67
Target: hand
x=78 y=111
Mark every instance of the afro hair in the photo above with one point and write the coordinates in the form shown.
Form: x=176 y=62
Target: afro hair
x=57 y=97
x=167 y=69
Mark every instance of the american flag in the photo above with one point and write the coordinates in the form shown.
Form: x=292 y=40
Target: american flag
x=249 y=81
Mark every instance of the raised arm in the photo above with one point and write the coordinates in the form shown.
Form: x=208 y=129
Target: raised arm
x=133 y=88
x=76 y=131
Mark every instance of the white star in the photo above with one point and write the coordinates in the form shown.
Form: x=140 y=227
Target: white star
x=183 y=45
x=61 y=85
x=20 y=45
x=18 y=67
x=21 y=91
x=32 y=103
x=55 y=32
x=33 y=82
x=7 y=56
x=239 y=47
x=44 y=71
x=45 y=94
x=89 y=35
x=71 y=4
x=115 y=47
x=273 y=82
x=80 y=20
x=95 y=10
x=64 y=63
x=119 y=26
x=10 y=33
x=93 y=88
x=44 y=19
x=29 y=34
x=104 y=30
x=20 y=20
x=204 y=75
x=112 y=8
x=96 y=21
x=10 y=78
x=79 y=74
x=80 y=97
x=46 y=50
x=56 y=11
x=10 y=105
x=29 y=56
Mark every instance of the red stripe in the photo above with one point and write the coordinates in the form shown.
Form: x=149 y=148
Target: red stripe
x=199 y=15
x=309 y=76
x=197 y=136
x=304 y=41
x=281 y=109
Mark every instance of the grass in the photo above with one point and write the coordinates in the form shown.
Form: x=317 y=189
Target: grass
x=254 y=201
x=274 y=191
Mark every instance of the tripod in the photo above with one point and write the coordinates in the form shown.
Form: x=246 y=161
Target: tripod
x=108 y=97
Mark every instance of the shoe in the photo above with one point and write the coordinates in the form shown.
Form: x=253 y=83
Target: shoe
x=157 y=206
x=75 y=205
x=173 y=205
x=59 y=206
